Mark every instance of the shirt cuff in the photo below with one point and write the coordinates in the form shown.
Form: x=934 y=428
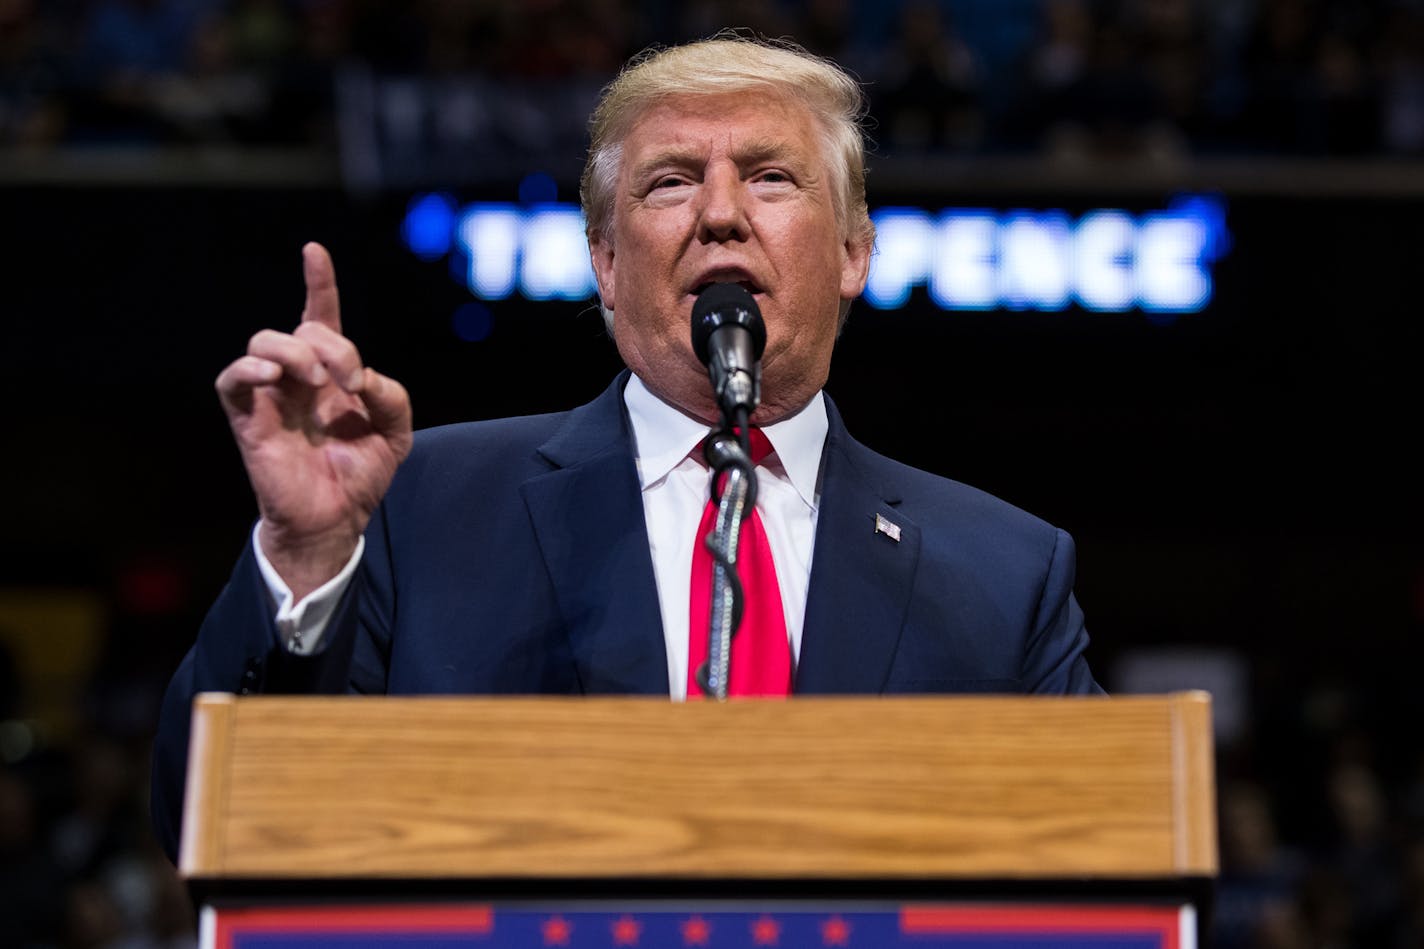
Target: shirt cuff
x=301 y=625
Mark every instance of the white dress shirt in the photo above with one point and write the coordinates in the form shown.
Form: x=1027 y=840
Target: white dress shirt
x=675 y=486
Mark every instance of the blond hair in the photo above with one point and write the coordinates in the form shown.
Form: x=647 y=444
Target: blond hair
x=729 y=63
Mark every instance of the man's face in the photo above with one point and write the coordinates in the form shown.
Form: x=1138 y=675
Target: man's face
x=733 y=189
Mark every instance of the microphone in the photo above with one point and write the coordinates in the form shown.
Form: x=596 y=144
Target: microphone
x=728 y=336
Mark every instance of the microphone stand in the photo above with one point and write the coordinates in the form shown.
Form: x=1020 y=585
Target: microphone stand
x=728 y=453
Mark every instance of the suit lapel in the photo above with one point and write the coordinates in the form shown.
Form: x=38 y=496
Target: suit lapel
x=588 y=518
x=861 y=577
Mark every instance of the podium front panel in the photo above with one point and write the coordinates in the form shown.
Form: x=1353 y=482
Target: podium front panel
x=704 y=924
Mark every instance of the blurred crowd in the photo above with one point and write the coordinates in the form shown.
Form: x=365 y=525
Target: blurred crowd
x=1321 y=818
x=1062 y=77
x=1321 y=798
x=79 y=865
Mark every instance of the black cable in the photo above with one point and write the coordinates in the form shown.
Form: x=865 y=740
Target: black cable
x=721 y=461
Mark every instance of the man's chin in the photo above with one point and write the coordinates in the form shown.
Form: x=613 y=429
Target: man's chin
x=692 y=397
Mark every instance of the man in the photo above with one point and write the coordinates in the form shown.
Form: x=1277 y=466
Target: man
x=551 y=554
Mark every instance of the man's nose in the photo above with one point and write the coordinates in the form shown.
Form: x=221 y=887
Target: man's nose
x=724 y=212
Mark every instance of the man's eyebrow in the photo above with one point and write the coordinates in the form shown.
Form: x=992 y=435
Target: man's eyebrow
x=748 y=153
x=668 y=158
x=756 y=152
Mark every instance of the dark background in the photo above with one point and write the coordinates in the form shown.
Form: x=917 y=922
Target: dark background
x=1242 y=476
x=1242 y=482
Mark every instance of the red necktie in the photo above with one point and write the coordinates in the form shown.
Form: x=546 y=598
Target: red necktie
x=761 y=652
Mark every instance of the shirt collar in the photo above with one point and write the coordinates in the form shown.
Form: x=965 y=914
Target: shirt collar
x=663 y=436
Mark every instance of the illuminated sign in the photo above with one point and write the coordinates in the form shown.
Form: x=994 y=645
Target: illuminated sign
x=966 y=259
x=1106 y=260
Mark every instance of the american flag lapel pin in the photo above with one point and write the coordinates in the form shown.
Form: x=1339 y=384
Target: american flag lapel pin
x=889 y=528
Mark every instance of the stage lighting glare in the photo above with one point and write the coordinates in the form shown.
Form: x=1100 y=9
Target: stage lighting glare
x=429 y=226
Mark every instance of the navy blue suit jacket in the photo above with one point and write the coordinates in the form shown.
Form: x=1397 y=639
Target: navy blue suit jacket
x=511 y=557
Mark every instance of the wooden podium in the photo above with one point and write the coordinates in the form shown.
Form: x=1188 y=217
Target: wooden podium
x=816 y=821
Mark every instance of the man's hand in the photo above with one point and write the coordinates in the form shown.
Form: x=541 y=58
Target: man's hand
x=321 y=435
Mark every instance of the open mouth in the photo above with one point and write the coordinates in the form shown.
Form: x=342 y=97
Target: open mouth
x=747 y=285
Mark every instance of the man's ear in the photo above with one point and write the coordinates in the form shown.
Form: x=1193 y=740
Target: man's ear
x=855 y=266
x=600 y=252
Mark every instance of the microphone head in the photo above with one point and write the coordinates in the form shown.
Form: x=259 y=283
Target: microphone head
x=726 y=304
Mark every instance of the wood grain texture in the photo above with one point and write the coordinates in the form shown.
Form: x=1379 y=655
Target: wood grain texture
x=846 y=788
x=208 y=779
x=1196 y=777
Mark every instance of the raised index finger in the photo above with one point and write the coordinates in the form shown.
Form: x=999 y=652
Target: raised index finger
x=323 y=305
